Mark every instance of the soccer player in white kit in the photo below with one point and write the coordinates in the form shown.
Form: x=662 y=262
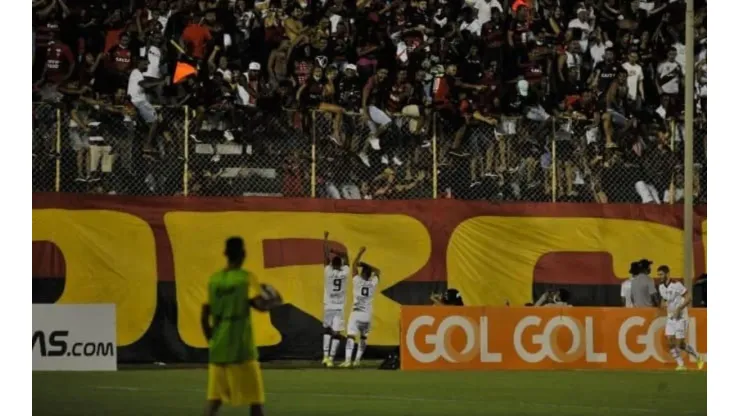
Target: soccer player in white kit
x=336 y=273
x=364 y=284
x=676 y=299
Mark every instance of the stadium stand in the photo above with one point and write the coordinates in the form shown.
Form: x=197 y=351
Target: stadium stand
x=526 y=100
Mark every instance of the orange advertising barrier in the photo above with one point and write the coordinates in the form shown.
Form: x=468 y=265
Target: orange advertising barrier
x=489 y=338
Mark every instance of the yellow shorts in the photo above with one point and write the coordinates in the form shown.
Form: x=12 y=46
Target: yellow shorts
x=236 y=384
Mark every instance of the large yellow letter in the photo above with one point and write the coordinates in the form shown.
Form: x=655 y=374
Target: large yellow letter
x=397 y=244
x=110 y=258
x=492 y=259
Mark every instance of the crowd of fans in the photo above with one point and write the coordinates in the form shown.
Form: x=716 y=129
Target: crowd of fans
x=501 y=84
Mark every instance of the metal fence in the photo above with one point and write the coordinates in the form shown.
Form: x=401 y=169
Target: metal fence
x=313 y=153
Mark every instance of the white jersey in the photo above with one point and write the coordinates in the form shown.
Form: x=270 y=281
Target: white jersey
x=674 y=297
x=671 y=72
x=663 y=290
x=335 y=287
x=364 y=292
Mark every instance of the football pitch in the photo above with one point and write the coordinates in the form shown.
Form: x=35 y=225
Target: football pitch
x=366 y=392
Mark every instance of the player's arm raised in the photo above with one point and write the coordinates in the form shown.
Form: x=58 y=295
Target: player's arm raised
x=327 y=251
x=358 y=260
x=376 y=271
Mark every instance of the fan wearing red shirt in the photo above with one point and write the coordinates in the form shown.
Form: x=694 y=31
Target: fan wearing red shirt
x=195 y=38
x=120 y=61
x=493 y=34
x=60 y=63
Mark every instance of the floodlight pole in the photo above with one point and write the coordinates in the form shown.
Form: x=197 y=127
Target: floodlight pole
x=688 y=158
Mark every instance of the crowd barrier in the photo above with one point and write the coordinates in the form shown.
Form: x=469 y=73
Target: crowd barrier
x=321 y=155
x=486 y=338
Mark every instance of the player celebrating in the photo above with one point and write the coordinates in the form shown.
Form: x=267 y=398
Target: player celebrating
x=234 y=375
x=676 y=299
x=363 y=290
x=336 y=272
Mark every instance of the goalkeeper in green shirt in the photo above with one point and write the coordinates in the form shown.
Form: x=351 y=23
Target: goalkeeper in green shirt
x=234 y=375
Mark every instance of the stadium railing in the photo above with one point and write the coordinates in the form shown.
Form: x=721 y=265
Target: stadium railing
x=401 y=166
x=298 y=154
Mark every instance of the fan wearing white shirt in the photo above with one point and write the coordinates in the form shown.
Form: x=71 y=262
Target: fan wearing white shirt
x=675 y=300
x=635 y=77
x=669 y=75
x=470 y=23
x=484 y=8
x=582 y=22
x=152 y=52
x=137 y=85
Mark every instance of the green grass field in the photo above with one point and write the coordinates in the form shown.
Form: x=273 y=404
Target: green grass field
x=366 y=392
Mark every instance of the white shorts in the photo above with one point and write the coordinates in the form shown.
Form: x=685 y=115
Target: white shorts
x=146 y=111
x=359 y=324
x=334 y=319
x=647 y=192
x=377 y=118
x=676 y=328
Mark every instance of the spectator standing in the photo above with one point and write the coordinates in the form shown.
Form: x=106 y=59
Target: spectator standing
x=626 y=289
x=642 y=290
x=583 y=25
x=121 y=61
x=669 y=76
x=484 y=9
x=60 y=62
x=195 y=37
x=635 y=77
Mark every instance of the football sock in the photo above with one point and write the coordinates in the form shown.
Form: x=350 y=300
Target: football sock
x=692 y=352
x=360 y=349
x=676 y=353
x=334 y=346
x=327 y=341
x=349 y=349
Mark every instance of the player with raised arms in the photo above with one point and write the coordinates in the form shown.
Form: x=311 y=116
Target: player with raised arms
x=234 y=376
x=364 y=283
x=336 y=272
x=676 y=300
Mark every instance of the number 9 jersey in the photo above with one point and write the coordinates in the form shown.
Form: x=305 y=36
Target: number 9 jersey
x=364 y=292
x=335 y=287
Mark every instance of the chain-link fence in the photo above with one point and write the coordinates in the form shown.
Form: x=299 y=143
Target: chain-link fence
x=513 y=159
x=318 y=153
x=106 y=148
x=496 y=159
x=386 y=156
x=45 y=144
x=248 y=152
